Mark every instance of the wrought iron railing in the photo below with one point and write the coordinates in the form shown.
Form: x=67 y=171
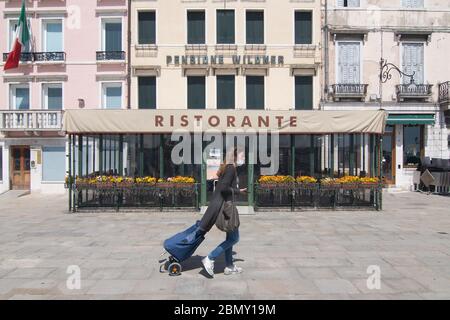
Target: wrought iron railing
x=315 y=195
x=414 y=91
x=24 y=56
x=49 y=56
x=110 y=55
x=444 y=93
x=349 y=90
x=136 y=196
x=20 y=120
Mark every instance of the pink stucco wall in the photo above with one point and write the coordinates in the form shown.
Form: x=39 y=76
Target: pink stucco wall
x=81 y=40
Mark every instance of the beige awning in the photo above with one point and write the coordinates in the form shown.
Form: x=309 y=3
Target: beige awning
x=96 y=121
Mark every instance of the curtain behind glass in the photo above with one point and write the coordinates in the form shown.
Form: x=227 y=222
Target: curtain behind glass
x=54 y=37
x=54 y=98
x=22 y=98
x=113 y=96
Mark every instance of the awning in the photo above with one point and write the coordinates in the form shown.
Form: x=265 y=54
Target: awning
x=91 y=121
x=411 y=119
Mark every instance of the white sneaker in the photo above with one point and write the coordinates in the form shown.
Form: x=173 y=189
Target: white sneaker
x=233 y=270
x=208 y=264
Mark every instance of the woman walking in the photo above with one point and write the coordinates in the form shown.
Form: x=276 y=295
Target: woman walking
x=226 y=188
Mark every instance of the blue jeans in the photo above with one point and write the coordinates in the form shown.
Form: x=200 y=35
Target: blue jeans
x=227 y=247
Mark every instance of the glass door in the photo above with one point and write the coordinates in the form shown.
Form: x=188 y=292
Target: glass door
x=388 y=160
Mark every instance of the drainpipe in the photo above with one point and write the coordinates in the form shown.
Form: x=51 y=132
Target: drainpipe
x=129 y=55
x=326 y=53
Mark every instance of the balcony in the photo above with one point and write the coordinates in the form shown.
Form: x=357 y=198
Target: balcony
x=349 y=91
x=30 y=120
x=444 y=94
x=24 y=56
x=49 y=56
x=414 y=91
x=110 y=55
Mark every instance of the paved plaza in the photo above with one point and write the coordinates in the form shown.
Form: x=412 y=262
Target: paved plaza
x=302 y=255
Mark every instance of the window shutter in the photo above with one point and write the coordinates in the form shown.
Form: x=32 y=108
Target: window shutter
x=225 y=92
x=147 y=92
x=255 y=27
x=303 y=27
x=413 y=61
x=196 y=27
x=225 y=27
x=353 y=3
x=349 y=63
x=196 y=92
x=303 y=93
x=113 y=36
x=255 y=92
x=147 y=27
x=340 y=3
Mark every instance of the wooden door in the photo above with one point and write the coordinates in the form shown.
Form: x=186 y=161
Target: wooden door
x=20 y=168
x=388 y=160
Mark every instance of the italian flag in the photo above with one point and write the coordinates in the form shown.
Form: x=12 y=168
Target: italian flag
x=22 y=39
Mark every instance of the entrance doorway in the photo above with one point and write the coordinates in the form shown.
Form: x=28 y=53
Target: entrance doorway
x=388 y=160
x=20 y=168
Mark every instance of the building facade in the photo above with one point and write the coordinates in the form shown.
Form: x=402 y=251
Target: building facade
x=414 y=36
x=76 y=59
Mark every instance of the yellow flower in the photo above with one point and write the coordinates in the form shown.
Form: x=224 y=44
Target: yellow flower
x=276 y=179
x=306 y=179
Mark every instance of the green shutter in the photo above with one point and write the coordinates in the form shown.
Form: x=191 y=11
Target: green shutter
x=411 y=119
x=255 y=92
x=225 y=27
x=147 y=92
x=225 y=92
x=196 y=92
x=147 y=27
x=196 y=27
x=255 y=27
x=303 y=93
x=303 y=27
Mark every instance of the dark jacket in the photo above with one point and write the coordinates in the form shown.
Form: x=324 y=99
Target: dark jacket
x=226 y=183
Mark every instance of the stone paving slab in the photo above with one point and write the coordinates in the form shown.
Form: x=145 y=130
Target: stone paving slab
x=285 y=255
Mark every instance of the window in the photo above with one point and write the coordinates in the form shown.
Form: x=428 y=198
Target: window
x=255 y=27
x=112 y=95
x=412 y=3
x=20 y=97
x=412 y=61
x=147 y=27
x=196 y=92
x=147 y=92
x=412 y=145
x=52 y=96
x=112 y=35
x=348 y=3
x=53 y=164
x=52 y=37
x=255 y=92
x=303 y=27
x=12 y=35
x=225 y=92
x=303 y=93
x=225 y=27
x=349 y=63
x=196 y=27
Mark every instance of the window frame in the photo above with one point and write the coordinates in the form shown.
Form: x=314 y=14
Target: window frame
x=187 y=25
x=12 y=95
x=137 y=26
x=235 y=25
x=44 y=22
x=112 y=19
x=12 y=33
x=44 y=97
x=103 y=86
x=264 y=25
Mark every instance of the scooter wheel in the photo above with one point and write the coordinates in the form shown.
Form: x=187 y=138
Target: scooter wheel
x=174 y=269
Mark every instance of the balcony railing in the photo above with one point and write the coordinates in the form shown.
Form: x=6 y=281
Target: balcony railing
x=24 y=56
x=31 y=120
x=444 y=93
x=110 y=55
x=414 y=91
x=349 y=91
x=49 y=56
